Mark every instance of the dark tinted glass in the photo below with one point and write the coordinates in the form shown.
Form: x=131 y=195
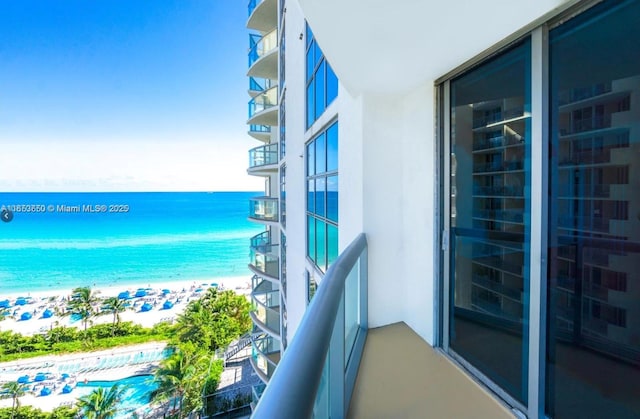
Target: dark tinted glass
x=593 y=354
x=490 y=214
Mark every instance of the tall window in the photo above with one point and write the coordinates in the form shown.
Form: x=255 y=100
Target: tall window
x=544 y=215
x=490 y=149
x=322 y=198
x=321 y=81
x=594 y=243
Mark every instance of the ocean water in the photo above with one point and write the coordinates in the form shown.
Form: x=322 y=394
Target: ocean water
x=106 y=239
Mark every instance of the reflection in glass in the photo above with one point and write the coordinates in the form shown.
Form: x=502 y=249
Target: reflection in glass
x=490 y=207
x=593 y=356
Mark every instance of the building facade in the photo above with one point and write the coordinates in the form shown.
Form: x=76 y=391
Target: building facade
x=491 y=156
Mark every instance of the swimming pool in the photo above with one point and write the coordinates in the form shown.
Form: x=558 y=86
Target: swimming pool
x=136 y=395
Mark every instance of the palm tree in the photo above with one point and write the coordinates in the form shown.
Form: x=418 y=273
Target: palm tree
x=115 y=306
x=82 y=303
x=181 y=378
x=100 y=403
x=15 y=390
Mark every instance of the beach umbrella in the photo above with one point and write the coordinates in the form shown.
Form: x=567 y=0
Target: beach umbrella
x=64 y=376
x=67 y=389
x=23 y=379
x=124 y=295
x=40 y=377
x=20 y=301
x=45 y=391
x=26 y=316
x=167 y=305
x=47 y=314
x=5 y=304
x=141 y=293
x=146 y=307
x=214 y=284
x=198 y=289
x=166 y=291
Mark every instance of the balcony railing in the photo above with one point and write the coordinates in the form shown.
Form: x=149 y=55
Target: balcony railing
x=267 y=311
x=265 y=356
x=264 y=208
x=265 y=100
x=265 y=264
x=260 y=85
x=263 y=155
x=261 y=129
x=261 y=45
x=317 y=373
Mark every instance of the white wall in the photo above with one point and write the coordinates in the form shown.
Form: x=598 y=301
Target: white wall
x=295 y=115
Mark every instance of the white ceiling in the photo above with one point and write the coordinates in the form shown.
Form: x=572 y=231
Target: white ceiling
x=385 y=46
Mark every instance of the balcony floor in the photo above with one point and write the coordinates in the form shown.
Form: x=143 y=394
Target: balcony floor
x=401 y=376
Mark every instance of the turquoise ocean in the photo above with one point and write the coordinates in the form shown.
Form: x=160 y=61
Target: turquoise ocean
x=65 y=240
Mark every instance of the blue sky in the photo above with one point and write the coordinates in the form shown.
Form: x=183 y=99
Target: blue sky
x=124 y=95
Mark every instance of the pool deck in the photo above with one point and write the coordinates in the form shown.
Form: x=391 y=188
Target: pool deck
x=10 y=371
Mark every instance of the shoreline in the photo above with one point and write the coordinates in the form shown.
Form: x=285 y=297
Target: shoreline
x=180 y=294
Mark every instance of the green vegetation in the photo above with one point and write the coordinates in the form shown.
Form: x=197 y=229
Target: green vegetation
x=100 y=403
x=211 y=322
x=13 y=390
x=29 y=412
x=62 y=339
x=206 y=325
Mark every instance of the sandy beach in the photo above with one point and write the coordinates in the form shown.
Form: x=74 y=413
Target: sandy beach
x=57 y=371
x=180 y=293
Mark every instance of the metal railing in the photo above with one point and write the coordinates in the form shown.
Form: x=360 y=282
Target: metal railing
x=263 y=155
x=263 y=101
x=261 y=45
x=317 y=373
x=264 y=208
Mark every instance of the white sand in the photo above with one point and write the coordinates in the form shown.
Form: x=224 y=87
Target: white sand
x=181 y=293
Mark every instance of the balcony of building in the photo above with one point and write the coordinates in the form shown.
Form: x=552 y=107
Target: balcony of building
x=265 y=355
x=336 y=367
x=263 y=109
x=263 y=55
x=265 y=265
x=263 y=160
x=260 y=132
x=263 y=209
x=266 y=307
x=258 y=86
x=263 y=15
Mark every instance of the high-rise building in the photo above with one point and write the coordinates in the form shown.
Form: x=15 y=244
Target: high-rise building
x=453 y=228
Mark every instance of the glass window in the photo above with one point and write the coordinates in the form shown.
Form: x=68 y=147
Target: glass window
x=311 y=102
x=332 y=243
x=332 y=198
x=490 y=161
x=311 y=195
x=332 y=85
x=321 y=154
x=320 y=90
x=311 y=238
x=322 y=83
x=311 y=159
x=321 y=245
x=593 y=310
x=332 y=148
x=320 y=196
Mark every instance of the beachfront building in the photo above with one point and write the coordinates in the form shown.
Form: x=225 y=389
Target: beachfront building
x=459 y=235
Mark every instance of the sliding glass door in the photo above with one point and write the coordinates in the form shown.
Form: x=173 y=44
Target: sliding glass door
x=541 y=259
x=490 y=200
